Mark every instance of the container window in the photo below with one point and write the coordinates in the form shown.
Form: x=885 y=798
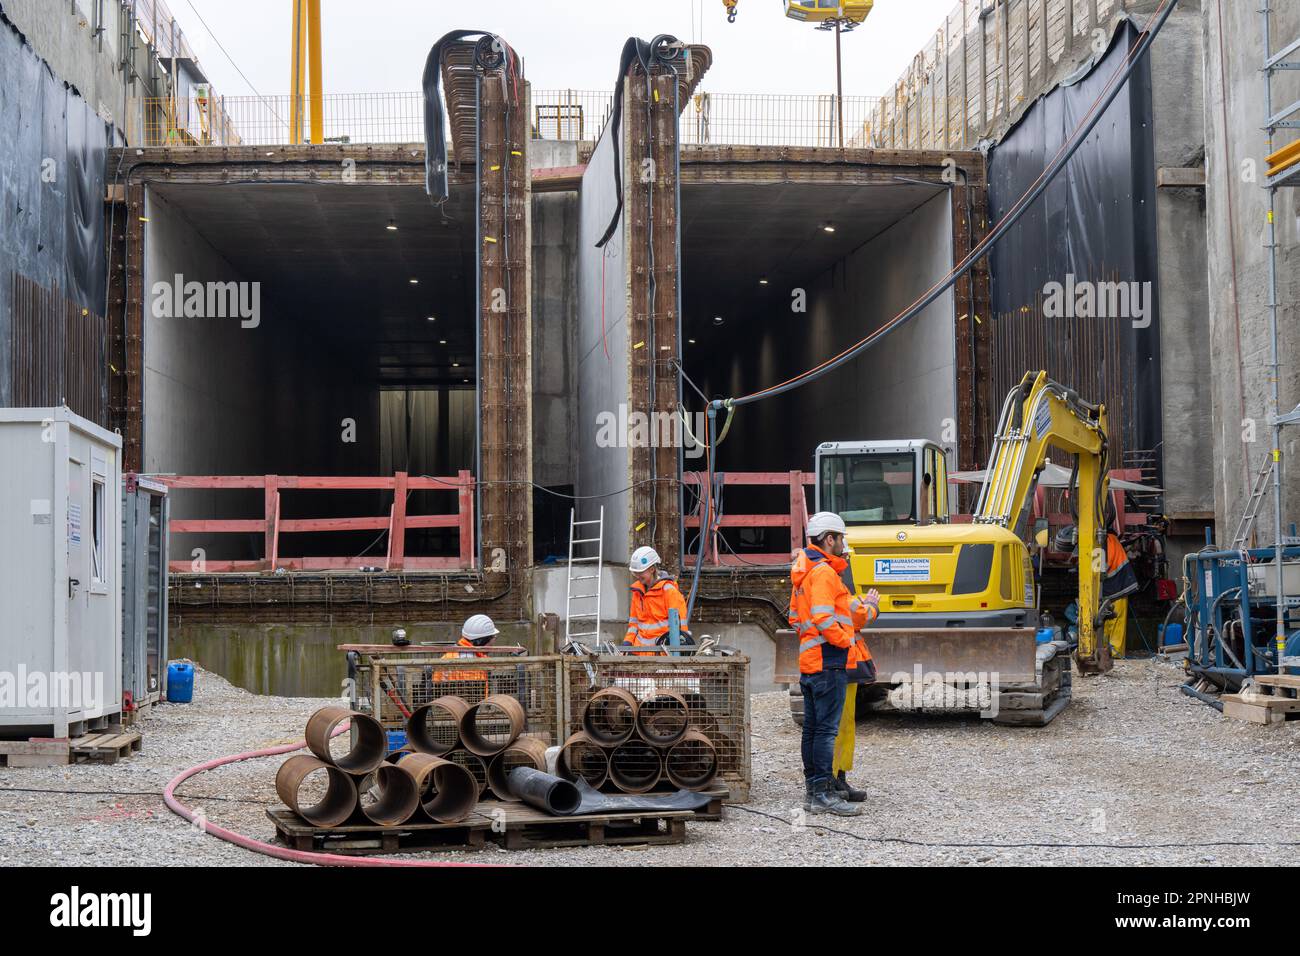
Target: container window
x=97 y=550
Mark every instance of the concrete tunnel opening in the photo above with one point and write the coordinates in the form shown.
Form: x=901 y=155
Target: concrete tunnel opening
x=767 y=296
x=361 y=359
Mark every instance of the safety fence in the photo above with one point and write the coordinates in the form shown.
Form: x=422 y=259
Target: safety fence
x=794 y=518
x=272 y=525
x=727 y=119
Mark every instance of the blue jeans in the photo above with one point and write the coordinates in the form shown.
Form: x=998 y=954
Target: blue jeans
x=823 y=702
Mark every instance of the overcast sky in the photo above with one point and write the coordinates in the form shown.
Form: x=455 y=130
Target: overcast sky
x=374 y=46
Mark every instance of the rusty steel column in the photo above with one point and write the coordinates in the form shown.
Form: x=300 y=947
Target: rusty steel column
x=971 y=314
x=650 y=176
x=504 y=331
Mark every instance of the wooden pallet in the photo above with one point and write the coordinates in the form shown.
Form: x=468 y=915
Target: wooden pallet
x=104 y=748
x=367 y=839
x=514 y=826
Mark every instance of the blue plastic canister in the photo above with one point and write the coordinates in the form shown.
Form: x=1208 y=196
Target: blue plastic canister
x=1171 y=634
x=1045 y=634
x=180 y=682
x=396 y=740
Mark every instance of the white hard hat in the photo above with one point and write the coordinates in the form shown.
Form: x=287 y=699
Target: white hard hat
x=479 y=626
x=824 y=521
x=644 y=557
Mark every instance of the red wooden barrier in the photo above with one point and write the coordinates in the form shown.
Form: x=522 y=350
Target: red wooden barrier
x=795 y=519
x=397 y=522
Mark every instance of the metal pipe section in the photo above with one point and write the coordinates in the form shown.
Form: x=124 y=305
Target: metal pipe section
x=692 y=762
x=334 y=808
x=492 y=725
x=663 y=719
x=448 y=792
x=368 y=742
x=472 y=763
x=396 y=795
x=1201 y=696
x=543 y=791
x=635 y=766
x=610 y=716
x=580 y=756
x=524 y=752
x=435 y=727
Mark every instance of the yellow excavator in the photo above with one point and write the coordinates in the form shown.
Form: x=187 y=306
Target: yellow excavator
x=958 y=625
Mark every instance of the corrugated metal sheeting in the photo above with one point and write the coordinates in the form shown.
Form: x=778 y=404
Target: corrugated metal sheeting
x=58 y=352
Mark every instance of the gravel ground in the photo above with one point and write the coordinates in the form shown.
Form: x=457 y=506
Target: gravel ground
x=1132 y=772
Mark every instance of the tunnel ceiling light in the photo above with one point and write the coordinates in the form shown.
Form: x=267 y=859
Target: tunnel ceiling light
x=455 y=365
x=392 y=225
x=433 y=318
x=442 y=341
x=690 y=341
x=718 y=320
x=828 y=227
x=414 y=281
x=763 y=281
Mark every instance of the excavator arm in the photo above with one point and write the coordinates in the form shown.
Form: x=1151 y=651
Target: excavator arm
x=1040 y=414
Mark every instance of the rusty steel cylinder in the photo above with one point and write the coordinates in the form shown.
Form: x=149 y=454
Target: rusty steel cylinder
x=662 y=719
x=692 y=762
x=435 y=727
x=635 y=766
x=580 y=756
x=448 y=791
x=472 y=763
x=524 y=752
x=397 y=795
x=369 y=744
x=492 y=725
x=610 y=716
x=334 y=808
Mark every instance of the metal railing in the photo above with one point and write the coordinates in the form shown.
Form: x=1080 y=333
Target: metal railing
x=271 y=525
x=722 y=119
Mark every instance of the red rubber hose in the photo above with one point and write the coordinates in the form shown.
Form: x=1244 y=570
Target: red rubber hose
x=270 y=849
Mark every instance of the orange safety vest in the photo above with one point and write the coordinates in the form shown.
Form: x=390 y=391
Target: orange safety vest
x=648 y=619
x=824 y=616
x=461 y=675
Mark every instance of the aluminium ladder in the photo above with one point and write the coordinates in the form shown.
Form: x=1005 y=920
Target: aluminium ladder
x=582 y=597
x=1247 y=524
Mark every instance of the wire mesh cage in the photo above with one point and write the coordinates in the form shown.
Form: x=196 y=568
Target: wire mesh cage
x=392 y=687
x=715 y=691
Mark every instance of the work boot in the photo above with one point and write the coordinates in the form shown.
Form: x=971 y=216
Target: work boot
x=849 y=793
x=826 y=799
x=807 y=794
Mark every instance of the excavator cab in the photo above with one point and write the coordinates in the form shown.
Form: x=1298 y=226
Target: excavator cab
x=883 y=482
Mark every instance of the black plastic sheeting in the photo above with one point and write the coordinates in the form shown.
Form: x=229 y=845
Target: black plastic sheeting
x=530 y=786
x=52 y=151
x=1096 y=221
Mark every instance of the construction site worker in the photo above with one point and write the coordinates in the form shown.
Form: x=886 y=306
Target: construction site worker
x=1120 y=581
x=860 y=669
x=477 y=632
x=654 y=595
x=821 y=615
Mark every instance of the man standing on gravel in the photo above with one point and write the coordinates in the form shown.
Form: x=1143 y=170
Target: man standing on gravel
x=820 y=614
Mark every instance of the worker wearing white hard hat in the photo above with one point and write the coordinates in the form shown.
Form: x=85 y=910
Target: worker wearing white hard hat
x=654 y=595
x=476 y=632
x=827 y=617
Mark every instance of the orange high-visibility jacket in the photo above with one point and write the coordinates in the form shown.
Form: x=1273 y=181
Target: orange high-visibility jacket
x=824 y=615
x=648 y=620
x=462 y=675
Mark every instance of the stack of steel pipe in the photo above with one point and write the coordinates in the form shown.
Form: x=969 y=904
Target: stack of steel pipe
x=486 y=740
x=361 y=786
x=634 y=745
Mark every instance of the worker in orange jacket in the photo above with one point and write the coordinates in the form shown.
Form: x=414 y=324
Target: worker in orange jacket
x=827 y=625
x=1119 y=581
x=654 y=594
x=477 y=632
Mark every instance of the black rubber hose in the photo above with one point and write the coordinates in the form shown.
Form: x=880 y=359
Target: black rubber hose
x=663 y=49
x=991 y=240
x=546 y=792
x=1204 y=698
x=490 y=52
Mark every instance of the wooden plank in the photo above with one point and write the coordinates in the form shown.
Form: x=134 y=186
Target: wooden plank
x=1250 y=711
x=35 y=746
x=1291 y=681
x=397 y=534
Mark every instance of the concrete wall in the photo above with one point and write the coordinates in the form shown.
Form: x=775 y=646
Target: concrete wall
x=903 y=387
x=220 y=399
x=1238 y=345
x=602 y=356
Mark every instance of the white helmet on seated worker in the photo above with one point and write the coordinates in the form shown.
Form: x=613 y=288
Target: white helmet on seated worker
x=824 y=521
x=479 y=629
x=642 y=558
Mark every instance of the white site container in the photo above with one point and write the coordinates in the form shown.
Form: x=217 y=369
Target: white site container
x=60 y=568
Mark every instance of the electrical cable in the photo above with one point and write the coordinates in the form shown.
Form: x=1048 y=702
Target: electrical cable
x=235 y=65
x=1094 y=116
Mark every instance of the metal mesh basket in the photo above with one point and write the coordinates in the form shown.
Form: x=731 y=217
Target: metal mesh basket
x=716 y=690
x=416 y=679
